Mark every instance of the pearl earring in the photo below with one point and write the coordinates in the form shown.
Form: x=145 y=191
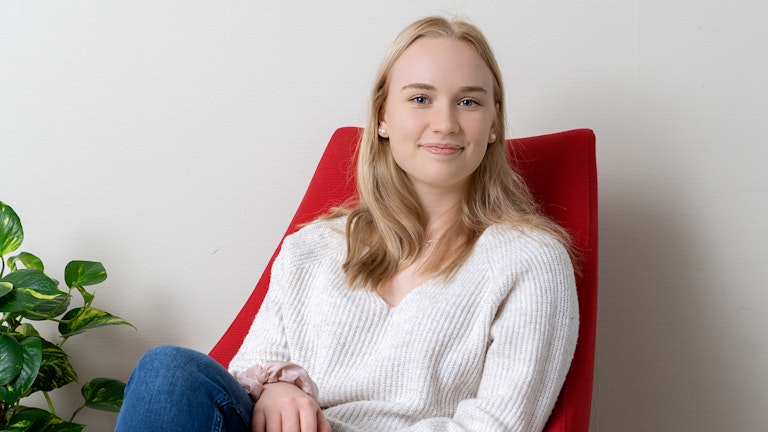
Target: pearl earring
x=383 y=132
x=492 y=137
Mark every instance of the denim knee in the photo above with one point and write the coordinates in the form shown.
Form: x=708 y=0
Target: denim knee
x=180 y=365
x=168 y=354
x=178 y=386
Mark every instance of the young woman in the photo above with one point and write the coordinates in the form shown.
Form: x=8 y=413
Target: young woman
x=441 y=300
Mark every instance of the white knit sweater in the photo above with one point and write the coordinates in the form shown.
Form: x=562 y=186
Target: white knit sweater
x=488 y=350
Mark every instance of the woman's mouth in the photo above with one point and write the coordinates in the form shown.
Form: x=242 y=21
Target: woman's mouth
x=442 y=149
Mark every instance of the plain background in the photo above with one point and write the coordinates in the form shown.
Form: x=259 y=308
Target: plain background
x=172 y=140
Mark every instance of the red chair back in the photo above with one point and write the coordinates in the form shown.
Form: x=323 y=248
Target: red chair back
x=559 y=168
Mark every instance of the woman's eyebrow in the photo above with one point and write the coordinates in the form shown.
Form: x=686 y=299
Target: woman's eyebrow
x=474 y=89
x=430 y=87
x=417 y=86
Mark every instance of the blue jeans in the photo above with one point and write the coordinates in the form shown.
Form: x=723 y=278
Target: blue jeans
x=178 y=389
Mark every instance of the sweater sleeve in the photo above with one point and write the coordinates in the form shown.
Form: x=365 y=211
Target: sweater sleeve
x=533 y=338
x=266 y=339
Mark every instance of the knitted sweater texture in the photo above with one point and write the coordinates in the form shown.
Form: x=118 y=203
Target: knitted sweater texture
x=486 y=350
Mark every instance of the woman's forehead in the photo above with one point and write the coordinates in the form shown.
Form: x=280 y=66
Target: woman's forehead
x=440 y=61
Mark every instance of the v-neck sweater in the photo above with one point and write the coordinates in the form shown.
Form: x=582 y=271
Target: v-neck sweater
x=486 y=350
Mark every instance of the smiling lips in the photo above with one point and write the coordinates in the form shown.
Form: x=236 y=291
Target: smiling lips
x=442 y=149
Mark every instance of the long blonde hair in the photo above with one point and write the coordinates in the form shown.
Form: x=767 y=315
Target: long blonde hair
x=385 y=229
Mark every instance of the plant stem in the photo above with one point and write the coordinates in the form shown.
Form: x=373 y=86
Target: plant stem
x=10 y=319
x=50 y=403
x=4 y=407
x=72 y=419
x=59 y=307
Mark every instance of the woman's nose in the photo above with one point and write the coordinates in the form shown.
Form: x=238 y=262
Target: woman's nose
x=444 y=119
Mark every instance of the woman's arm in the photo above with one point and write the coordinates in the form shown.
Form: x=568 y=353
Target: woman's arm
x=278 y=405
x=266 y=339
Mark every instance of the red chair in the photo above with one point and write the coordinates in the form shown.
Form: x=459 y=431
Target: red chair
x=561 y=172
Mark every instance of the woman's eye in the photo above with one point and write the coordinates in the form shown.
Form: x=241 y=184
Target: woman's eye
x=468 y=103
x=419 y=100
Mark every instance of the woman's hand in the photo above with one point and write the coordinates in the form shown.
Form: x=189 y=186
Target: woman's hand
x=283 y=407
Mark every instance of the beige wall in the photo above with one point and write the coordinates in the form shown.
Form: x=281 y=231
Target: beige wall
x=172 y=141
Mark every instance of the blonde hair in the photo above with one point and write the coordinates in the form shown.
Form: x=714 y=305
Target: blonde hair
x=385 y=230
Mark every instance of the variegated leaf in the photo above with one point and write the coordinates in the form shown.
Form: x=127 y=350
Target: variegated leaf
x=26 y=259
x=55 y=369
x=34 y=291
x=105 y=394
x=37 y=420
x=79 y=320
x=11 y=232
x=84 y=273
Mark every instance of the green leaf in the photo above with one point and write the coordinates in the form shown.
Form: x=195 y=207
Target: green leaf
x=27 y=260
x=34 y=291
x=55 y=369
x=27 y=329
x=11 y=233
x=79 y=274
x=79 y=320
x=84 y=273
x=105 y=394
x=38 y=420
x=5 y=288
x=11 y=358
x=31 y=348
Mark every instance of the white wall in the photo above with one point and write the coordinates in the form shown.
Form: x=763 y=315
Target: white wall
x=172 y=141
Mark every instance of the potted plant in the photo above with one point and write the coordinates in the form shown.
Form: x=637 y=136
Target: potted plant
x=28 y=362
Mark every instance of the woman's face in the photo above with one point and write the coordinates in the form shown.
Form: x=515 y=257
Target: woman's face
x=439 y=114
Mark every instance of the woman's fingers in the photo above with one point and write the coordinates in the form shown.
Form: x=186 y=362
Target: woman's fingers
x=259 y=422
x=308 y=419
x=285 y=408
x=322 y=422
x=276 y=421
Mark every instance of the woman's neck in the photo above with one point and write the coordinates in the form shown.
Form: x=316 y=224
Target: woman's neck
x=437 y=219
x=438 y=206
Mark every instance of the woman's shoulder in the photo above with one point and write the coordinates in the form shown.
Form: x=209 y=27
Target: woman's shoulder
x=317 y=239
x=516 y=255
x=521 y=244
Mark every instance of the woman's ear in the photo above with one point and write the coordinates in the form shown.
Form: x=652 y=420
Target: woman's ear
x=494 y=127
